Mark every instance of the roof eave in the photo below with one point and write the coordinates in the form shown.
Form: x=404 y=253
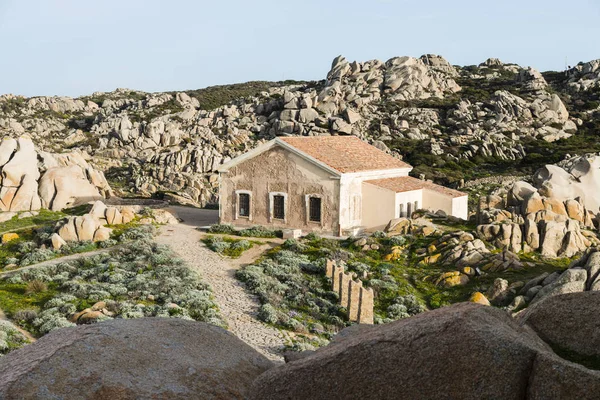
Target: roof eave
x=307 y=157
x=269 y=145
x=246 y=156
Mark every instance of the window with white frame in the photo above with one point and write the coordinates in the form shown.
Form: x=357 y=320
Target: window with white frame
x=243 y=204
x=278 y=206
x=314 y=208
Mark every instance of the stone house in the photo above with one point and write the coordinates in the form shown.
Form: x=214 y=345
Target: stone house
x=329 y=184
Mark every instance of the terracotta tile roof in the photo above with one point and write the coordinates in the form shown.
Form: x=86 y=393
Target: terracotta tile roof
x=345 y=153
x=408 y=183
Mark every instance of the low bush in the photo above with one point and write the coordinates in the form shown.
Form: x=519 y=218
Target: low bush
x=140 y=279
x=294 y=294
x=226 y=229
x=260 y=232
x=10 y=337
x=36 y=286
x=227 y=246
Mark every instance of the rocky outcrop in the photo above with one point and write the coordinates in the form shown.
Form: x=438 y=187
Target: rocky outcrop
x=556 y=216
x=91 y=226
x=32 y=180
x=582 y=275
x=572 y=178
x=138 y=358
x=166 y=142
x=584 y=76
x=508 y=360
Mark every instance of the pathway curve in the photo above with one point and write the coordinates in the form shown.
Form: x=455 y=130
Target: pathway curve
x=59 y=260
x=237 y=306
x=25 y=333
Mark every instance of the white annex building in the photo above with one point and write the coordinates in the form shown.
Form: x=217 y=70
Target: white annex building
x=332 y=184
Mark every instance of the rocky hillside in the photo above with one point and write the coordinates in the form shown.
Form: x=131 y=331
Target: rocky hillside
x=452 y=123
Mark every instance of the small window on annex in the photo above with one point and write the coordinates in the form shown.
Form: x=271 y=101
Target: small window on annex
x=244 y=205
x=314 y=209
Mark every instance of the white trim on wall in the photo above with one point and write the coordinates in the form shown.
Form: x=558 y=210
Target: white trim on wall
x=272 y=206
x=237 y=204
x=356 y=208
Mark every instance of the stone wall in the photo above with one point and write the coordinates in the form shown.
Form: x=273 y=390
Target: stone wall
x=357 y=299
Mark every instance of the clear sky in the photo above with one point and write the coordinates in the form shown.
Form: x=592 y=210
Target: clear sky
x=76 y=47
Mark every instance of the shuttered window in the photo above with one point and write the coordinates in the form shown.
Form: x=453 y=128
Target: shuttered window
x=314 y=212
x=244 y=205
x=278 y=207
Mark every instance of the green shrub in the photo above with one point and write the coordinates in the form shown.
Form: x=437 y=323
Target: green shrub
x=267 y=313
x=397 y=241
x=294 y=245
x=226 y=229
x=312 y=236
x=36 y=286
x=260 y=232
x=10 y=337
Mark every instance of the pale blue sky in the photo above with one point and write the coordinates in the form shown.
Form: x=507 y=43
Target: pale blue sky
x=76 y=47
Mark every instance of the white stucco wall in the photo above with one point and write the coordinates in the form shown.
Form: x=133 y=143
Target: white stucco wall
x=456 y=206
x=351 y=185
x=460 y=207
x=436 y=201
x=378 y=206
x=407 y=198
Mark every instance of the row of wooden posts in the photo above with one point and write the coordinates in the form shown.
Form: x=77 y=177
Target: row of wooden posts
x=357 y=299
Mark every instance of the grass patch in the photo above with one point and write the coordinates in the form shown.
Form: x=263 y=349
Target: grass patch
x=140 y=279
x=45 y=217
x=229 y=246
x=14 y=297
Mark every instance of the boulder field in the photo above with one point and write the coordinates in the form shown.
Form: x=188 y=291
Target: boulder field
x=33 y=179
x=175 y=141
x=465 y=351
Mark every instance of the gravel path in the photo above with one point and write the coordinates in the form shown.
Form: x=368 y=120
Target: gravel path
x=238 y=307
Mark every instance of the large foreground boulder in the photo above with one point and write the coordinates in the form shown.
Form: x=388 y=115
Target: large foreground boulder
x=150 y=358
x=568 y=322
x=466 y=351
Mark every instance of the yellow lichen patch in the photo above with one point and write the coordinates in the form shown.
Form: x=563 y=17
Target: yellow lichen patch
x=431 y=249
x=432 y=259
x=427 y=230
x=468 y=271
x=8 y=237
x=454 y=278
x=395 y=254
x=479 y=298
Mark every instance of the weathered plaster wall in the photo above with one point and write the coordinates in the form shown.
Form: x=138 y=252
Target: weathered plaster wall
x=278 y=170
x=378 y=206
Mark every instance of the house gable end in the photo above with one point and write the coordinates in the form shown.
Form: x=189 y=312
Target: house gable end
x=270 y=145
